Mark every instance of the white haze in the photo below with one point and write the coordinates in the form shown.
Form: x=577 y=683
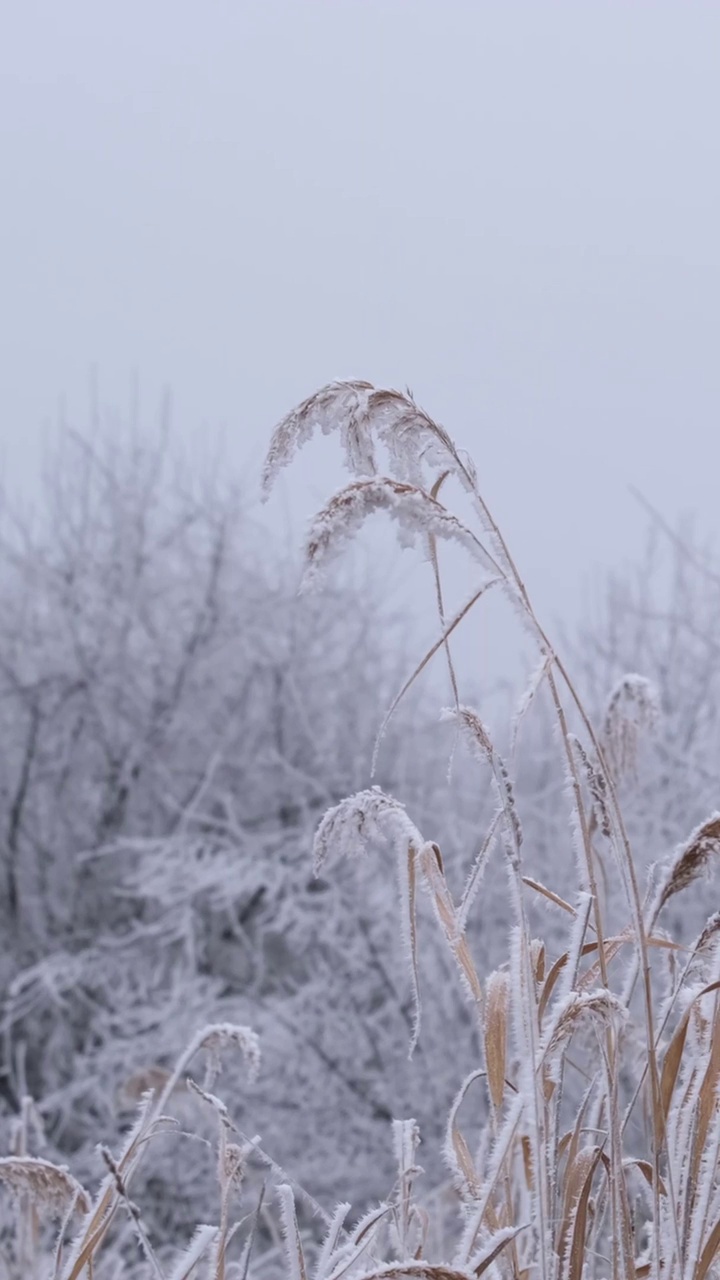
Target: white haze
x=511 y=208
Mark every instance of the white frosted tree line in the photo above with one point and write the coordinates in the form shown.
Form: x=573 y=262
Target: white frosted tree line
x=175 y=719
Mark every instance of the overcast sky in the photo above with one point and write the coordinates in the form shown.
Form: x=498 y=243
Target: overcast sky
x=514 y=208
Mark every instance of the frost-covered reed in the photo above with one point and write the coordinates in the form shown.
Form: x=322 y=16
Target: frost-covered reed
x=585 y=1143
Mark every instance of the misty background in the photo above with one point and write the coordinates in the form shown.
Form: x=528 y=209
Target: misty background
x=207 y=212
x=511 y=208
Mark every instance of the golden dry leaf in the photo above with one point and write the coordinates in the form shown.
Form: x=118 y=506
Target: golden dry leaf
x=497 y=994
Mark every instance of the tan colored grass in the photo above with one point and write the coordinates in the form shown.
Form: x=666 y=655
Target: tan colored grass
x=497 y=1001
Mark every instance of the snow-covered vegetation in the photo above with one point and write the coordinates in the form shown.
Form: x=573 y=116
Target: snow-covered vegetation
x=265 y=897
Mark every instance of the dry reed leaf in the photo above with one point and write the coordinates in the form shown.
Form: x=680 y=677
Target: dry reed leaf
x=492 y=1250
x=202 y=1240
x=435 y=562
x=533 y=687
x=674 y=1052
x=577 y=1224
x=571 y=1140
x=476 y=872
x=410 y=929
x=362 y=1239
x=469 y=1180
x=501 y=1150
x=550 y=983
x=612 y=947
x=368 y=1225
x=456 y=1150
x=90 y=1243
x=527 y=1155
x=708 y=1097
x=495 y=1218
x=497 y=996
x=563 y=1144
x=421 y=1218
x=710 y=1251
x=579 y=1169
x=548 y=893
x=291 y=1233
x=646 y=1169
x=537 y=959
x=439 y=644
x=437 y=486
x=406 y=1138
x=332 y=1240
x=431 y=865
x=622 y=1235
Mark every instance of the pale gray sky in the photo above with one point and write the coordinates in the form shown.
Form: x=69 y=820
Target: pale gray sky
x=512 y=207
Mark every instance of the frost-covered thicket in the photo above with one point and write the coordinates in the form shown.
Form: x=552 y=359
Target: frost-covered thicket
x=175 y=719
x=201 y=831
